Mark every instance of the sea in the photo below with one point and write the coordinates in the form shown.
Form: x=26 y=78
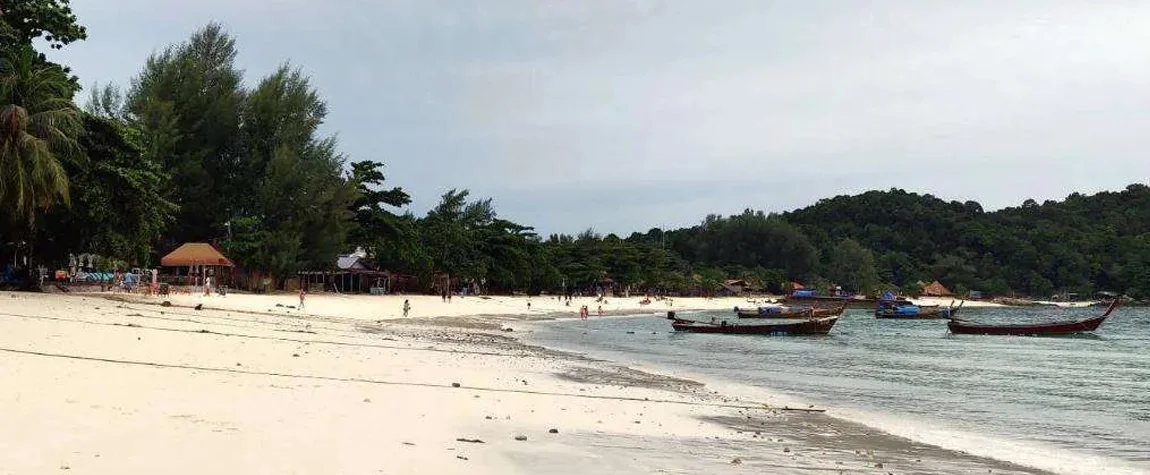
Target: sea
x=1075 y=405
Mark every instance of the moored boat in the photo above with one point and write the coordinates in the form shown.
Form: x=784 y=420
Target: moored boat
x=903 y=310
x=1065 y=327
x=783 y=312
x=812 y=326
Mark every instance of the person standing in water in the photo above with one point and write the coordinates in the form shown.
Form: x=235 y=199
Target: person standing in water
x=406 y=307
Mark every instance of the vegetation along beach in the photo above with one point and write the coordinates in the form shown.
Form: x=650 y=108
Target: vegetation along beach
x=577 y=237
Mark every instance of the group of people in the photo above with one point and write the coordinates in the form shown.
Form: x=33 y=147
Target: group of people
x=585 y=312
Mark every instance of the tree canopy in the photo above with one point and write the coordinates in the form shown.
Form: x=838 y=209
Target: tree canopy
x=190 y=152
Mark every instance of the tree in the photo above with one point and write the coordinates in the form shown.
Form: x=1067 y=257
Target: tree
x=38 y=129
x=22 y=21
x=376 y=227
x=117 y=201
x=852 y=266
x=298 y=212
x=187 y=102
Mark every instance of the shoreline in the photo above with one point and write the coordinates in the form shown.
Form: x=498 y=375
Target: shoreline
x=628 y=418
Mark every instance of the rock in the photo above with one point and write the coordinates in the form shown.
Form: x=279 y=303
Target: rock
x=489 y=418
x=166 y=304
x=199 y=306
x=736 y=461
x=366 y=399
x=521 y=438
x=237 y=364
x=295 y=355
x=471 y=441
x=786 y=449
x=878 y=465
x=455 y=385
x=508 y=329
x=553 y=431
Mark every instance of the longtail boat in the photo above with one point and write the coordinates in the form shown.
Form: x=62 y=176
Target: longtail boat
x=1066 y=327
x=791 y=312
x=851 y=302
x=915 y=312
x=813 y=326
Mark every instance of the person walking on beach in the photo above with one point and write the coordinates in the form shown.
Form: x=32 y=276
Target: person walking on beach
x=406 y=307
x=302 y=295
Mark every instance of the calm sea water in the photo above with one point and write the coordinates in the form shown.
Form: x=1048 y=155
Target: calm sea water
x=1071 y=404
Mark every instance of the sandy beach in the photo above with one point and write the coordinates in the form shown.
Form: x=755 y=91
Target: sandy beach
x=249 y=385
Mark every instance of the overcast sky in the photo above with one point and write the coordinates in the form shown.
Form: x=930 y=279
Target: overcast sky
x=624 y=115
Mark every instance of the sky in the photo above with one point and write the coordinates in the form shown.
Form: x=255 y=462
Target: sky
x=624 y=115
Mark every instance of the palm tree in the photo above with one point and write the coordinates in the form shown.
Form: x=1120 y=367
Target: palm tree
x=38 y=129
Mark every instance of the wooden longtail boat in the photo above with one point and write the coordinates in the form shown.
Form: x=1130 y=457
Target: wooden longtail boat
x=851 y=302
x=924 y=312
x=963 y=327
x=814 y=326
x=794 y=313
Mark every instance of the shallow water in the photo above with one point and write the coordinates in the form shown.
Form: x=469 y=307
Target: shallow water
x=1083 y=400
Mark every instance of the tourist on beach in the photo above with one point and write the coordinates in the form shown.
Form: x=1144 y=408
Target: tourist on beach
x=406 y=307
x=528 y=305
x=302 y=295
x=600 y=310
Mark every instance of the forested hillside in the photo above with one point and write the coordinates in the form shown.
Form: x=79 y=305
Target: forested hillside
x=191 y=151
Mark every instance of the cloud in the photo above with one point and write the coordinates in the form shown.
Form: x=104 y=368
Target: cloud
x=626 y=115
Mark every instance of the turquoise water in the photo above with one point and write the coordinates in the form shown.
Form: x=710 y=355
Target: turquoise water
x=1083 y=399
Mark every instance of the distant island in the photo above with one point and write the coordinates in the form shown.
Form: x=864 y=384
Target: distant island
x=187 y=153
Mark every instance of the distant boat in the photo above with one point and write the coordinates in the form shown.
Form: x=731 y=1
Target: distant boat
x=806 y=299
x=964 y=327
x=812 y=326
x=791 y=312
x=903 y=310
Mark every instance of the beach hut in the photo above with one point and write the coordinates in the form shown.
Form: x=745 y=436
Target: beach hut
x=201 y=259
x=936 y=289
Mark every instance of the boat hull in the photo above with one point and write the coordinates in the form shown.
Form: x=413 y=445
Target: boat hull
x=1037 y=329
x=927 y=315
x=963 y=327
x=820 y=326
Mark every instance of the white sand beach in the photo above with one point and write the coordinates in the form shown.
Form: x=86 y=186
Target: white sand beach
x=246 y=386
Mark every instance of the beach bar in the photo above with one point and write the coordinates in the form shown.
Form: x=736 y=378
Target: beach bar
x=200 y=259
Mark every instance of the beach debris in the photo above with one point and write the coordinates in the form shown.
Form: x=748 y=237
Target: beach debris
x=488 y=417
x=736 y=461
x=366 y=399
x=460 y=457
x=786 y=449
x=295 y=355
x=521 y=438
x=408 y=443
x=508 y=329
x=237 y=364
x=455 y=385
x=65 y=467
x=553 y=431
x=470 y=441
x=878 y=465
